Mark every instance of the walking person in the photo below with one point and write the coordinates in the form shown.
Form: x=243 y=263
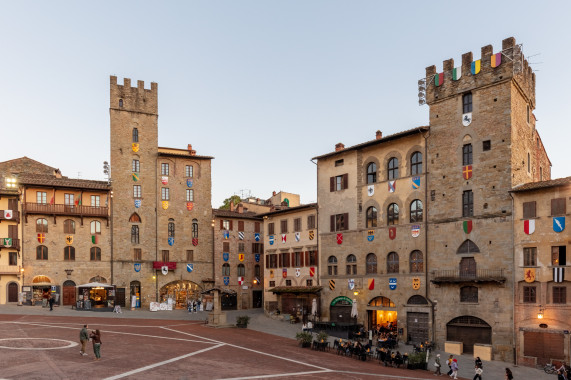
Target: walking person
x=509 y=375
x=449 y=362
x=437 y=365
x=51 y=301
x=96 y=337
x=478 y=362
x=83 y=338
x=478 y=374
x=454 y=368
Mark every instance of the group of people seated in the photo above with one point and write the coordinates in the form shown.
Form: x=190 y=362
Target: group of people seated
x=352 y=349
x=391 y=358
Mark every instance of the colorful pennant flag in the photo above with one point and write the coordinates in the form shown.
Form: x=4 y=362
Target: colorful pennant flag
x=475 y=67
x=371 y=283
x=496 y=59
x=456 y=73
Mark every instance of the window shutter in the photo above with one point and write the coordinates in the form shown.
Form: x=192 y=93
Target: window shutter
x=346 y=221
x=316 y=258
x=13 y=231
x=231 y=225
x=332 y=223
x=221 y=224
x=345 y=181
x=241 y=225
x=267 y=260
x=280 y=260
x=331 y=184
x=307 y=261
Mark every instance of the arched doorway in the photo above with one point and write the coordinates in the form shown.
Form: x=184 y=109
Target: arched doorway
x=340 y=310
x=417 y=321
x=469 y=330
x=180 y=292
x=382 y=311
x=13 y=292
x=41 y=286
x=99 y=279
x=68 y=293
x=135 y=293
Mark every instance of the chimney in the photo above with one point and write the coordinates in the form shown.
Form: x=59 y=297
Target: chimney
x=240 y=208
x=339 y=146
x=379 y=135
x=274 y=193
x=231 y=206
x=192 y=152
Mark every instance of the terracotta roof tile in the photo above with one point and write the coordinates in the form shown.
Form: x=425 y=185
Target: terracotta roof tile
x=566 y=181
x=49 y=180
x=235 y=214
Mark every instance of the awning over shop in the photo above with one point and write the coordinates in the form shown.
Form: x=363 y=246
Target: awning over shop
x=94 y=285
x=295 y=289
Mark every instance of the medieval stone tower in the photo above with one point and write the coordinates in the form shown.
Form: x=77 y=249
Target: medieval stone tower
x=482 y=142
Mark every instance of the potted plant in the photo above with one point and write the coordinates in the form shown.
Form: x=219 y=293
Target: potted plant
x=417 y=360
x=304 y=338
x=242 y=321
x=322 y=336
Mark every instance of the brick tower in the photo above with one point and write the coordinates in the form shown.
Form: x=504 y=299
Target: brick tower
x=482 y=142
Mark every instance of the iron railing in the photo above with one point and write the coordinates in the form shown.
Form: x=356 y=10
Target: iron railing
x=15 y=216
x=58 y=209
x=10 y=243
x=479 y=275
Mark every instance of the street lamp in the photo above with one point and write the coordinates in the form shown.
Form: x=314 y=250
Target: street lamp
x=21 y=289
x=540 y=313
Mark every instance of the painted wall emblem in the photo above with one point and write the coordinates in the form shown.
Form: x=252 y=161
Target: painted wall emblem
x=467 y=171
x=165 y=180
x=257 y=257
x=135 y=147
x=137 y=267
x=189 y=206
x=467 y=119
x=311 y=234
x=392 y=233
x=558 y=223
x=69 y=239
x=331 y=284
x=371 y=235
x=416 y=283
x=189 y=182
x=257 y=236
x=171 y=240
x=370 y=190
x=529 y=226
x=41 y=238
x=351 y=283
x=226 y=280
x=225 y=256
x=339 y=238
x=392 y=283
x=415 y=230
x=165 y=205
x=416 y=183
x=137 y=203
x=189 y=268
x=271 y=239
x=195 y=241
x=240 y=235
x=467 y=226
x=392 y=186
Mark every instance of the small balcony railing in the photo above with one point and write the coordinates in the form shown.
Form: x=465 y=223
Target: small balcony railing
x=13 y=215
x=10 y=243
x=479 y=275
x=59 y=209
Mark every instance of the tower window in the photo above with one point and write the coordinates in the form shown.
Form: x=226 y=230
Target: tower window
x=467 y=103
x=135 y=135
x=467 y=203
x=467 y=154
x=120 y=102
x=486 y=145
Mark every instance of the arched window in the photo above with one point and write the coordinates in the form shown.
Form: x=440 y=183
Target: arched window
x=351 y=264
x=469 y=294
x=393 y=214
x=393 y=168
x=42 y=225
x=381 y=302
x=332 y=266
x=135 y=234
x=68 y=226
x=69 y=253
x=417 y=300
x=371 y=217
x=416 y=262
x=195 y=228
x=135 y=135
x=95 y=254
x=41 y=252
x=467 y=154
x=226 y=269
x=171 y=228
x=135 y=218
x=468 y=247
x=95 y=227
x=120 y=102
x=416 y=211
x=241 y=270
x=371 y=263
x=371 y=173
x=393 y=262
x=416 y=163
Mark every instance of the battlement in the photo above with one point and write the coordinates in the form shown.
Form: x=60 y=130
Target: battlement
x=471 y=74
x=138 y=99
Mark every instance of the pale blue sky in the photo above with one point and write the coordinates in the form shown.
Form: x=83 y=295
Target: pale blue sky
x=261 y=85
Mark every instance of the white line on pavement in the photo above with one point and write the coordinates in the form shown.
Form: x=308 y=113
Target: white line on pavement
x=277 y=375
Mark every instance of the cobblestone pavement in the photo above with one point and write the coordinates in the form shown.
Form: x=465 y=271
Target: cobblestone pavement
x=262 y=323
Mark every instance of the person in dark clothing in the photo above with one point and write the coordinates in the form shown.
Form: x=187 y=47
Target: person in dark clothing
x=96 y=337
x=478 y=362
x=51 y=301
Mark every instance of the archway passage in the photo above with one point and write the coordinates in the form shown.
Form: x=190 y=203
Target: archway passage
x=340 y=310
x=181 y=292
x=12 y=292
x=68 y=293
x=469 y=330
x=382 y=314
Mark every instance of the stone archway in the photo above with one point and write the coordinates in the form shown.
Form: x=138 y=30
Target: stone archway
x=181 y=291
x=68 y=293
x=469 y=330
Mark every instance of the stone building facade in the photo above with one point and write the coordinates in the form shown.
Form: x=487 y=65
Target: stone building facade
x=238 y=257
x=161 y=211
x=291 y=263
x=541 y=266
x=372 y=238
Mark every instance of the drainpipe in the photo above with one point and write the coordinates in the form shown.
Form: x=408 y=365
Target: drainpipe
x=318 y=255
x=156 y=228
x=514 y=332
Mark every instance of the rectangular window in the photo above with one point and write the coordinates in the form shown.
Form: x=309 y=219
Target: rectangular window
x=165 y=256
x=528 y=210
x=137 y=191
x=559 y=294
x=529 y=294
x=165 y=193
x=41 y=252
x=13 y=258
x=190 y=255
x=310 y=222
x=297 y=224
x=226 y=246
x=270 y=228
x=241 y=225
x=69 y=253
x=41 y=197
x=226 y=225
x=530 y=257
x=486 y=145
x=312 y=258
x=297 y=259
x=467 y=103
x=164 y=169
x=189 y=195
x=188 y=171
x=95 y=201
x=136 y=166
x=272 y=284
x=284 y=258
x=257 y=248
x=308 y=282
x=283 y=226
x=256 y=226
x=467 y=154
x=68 y=199
x=467 y=203
x=339 y=182
x=558 y=206
x=288 y=282
x=95 y=254
x=339 y=162
x=339 y=222
x=137 y=254
x=257 y=270
x=559 y=255
x=273 y=261
x=241 y=247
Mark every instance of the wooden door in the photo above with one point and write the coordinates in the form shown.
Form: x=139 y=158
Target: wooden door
x=417 y=327
x=12 y=292
x=120 y=297
x=544 y=346
x=69 y=295
x=467 y=267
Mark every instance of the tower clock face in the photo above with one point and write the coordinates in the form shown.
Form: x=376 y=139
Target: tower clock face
x=467 y=119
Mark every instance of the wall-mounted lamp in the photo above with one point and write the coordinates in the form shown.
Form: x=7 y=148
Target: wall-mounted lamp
x=356 y=293
x=540 y=313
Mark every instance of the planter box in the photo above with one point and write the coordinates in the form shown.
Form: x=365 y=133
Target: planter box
x=417 y=366
x=454 y=348
x=484 y=351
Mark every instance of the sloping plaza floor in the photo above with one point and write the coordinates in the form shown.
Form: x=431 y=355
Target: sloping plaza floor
x=45 y=345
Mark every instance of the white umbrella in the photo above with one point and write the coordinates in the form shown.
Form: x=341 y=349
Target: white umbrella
x=354 y=312
x=314 y=307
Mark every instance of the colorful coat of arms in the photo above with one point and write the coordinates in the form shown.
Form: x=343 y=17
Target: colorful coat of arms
x=195 y=241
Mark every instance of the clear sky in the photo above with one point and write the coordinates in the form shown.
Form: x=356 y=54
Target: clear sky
x=263 y=86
